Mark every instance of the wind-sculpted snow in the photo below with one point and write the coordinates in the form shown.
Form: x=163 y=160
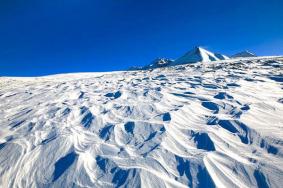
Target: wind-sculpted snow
x=201 y=125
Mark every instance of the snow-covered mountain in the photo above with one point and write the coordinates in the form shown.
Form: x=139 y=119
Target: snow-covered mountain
x=197 y=125
x=243 y=54
x=159 y=63
x=199 y=54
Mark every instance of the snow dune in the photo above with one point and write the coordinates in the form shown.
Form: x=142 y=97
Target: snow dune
x=201 y=125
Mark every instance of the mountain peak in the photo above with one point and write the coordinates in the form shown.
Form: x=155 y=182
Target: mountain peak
x=157 y=63
x=198 y=49
x=199 y=54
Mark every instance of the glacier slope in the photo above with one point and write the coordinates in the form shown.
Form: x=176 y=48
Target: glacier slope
x=214 y=124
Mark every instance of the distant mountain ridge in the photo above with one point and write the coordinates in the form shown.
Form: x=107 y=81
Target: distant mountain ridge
x=243 y=54
x=159 y=62
x=197 y=54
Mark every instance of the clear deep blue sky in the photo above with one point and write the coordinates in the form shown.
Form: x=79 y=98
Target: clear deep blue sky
x=40 y=37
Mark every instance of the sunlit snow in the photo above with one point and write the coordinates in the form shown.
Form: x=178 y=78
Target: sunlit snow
x=209 y=124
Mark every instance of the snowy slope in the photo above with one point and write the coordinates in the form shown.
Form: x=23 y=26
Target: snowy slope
x=199 y=54
x=198 y=125
x=221 y=56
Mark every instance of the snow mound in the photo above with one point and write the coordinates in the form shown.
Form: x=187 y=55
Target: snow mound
x=197 y=125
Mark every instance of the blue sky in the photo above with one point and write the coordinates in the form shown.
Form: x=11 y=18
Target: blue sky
x=41 y=37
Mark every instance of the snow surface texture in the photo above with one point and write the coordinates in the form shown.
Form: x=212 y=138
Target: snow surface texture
x=198 y=125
